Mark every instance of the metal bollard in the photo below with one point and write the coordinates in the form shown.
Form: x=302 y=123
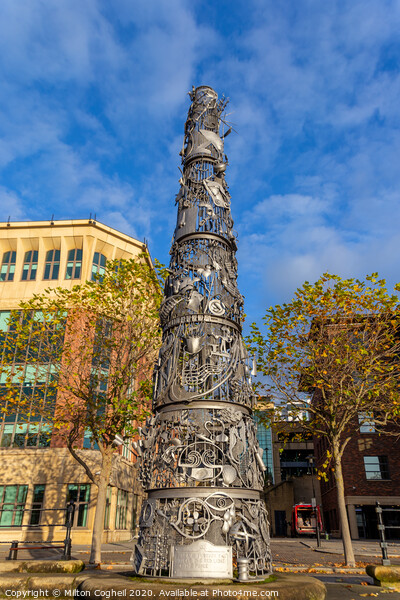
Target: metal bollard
x=69 y=523
x=13 y=554
x=243 y=569
x=381 y=529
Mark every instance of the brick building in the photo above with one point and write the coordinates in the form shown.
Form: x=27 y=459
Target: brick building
x=371 y=472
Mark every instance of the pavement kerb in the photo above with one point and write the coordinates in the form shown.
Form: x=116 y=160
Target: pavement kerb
x=277 y=568
x=305 y=569
x=40 y=581
x=282 y=568
x=385 y=576
x=320 y=549
x=41 y=566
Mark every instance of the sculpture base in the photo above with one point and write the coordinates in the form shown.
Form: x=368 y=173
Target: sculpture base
x=202 y=532
x=284 y=586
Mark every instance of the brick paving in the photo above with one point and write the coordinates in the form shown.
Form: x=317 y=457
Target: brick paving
x=285 y=552
x=288 y=554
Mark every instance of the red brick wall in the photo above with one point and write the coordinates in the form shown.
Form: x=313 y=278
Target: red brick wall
x=355 y=481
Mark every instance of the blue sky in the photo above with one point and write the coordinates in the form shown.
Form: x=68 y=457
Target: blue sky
x=93 y=99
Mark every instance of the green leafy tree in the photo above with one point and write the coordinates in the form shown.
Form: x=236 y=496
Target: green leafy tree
x=82 y=360
x=332 y=354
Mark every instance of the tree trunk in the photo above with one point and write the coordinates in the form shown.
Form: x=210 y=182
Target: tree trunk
x=344 y=521
x=98 y=526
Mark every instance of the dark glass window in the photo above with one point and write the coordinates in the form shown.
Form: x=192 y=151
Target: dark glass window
x=107 y=509
x=37 y=504
x=376 y=467
x=52 y=265
x=80 y=494
x=8 y=266
x=122 y=509
x=4 y=326
x=98 y=266
x=15 y=432
x=29 y=269
x=12 y=504
x=88 y=442
x=74 y=264
x=24 y=426
x=294 y=463
x=134 y=511
x=367 y=423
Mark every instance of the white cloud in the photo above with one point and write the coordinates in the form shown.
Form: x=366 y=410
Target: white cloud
x=93 y=102
x=11 y=206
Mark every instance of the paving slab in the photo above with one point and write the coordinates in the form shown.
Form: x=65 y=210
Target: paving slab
x=346 y=591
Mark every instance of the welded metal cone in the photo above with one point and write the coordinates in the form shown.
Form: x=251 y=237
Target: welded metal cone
x=201 y=463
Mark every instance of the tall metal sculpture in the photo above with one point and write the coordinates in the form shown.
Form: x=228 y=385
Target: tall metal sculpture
x=199 y=457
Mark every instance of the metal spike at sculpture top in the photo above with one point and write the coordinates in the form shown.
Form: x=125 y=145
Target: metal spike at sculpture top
x=199 y=457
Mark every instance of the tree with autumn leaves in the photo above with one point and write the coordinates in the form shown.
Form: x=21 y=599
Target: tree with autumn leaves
x=332 y=354
x=90 y=352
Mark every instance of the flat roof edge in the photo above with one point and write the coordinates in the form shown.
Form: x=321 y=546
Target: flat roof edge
x=9 y=225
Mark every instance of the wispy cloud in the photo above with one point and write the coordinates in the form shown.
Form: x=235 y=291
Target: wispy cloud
x=89 y=102
x=93 y=102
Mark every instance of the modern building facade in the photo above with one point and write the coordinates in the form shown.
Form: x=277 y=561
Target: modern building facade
x=290 y=455
x=35 y=472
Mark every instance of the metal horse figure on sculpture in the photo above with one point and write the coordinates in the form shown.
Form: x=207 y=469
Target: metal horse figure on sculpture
x=199 y=457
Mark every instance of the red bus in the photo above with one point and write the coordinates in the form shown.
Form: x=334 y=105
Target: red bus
x=304 y=521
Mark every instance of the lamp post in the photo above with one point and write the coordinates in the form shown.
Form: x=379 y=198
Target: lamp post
x=314 y=500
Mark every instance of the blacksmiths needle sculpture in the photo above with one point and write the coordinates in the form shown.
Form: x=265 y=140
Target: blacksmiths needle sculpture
x=199 y=457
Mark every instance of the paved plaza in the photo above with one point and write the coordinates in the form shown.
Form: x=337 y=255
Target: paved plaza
x=286 y=553
x=292 y=555
x=305 y=553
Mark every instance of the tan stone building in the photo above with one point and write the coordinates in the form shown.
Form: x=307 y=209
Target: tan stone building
x=34 y=473
x=293 y=480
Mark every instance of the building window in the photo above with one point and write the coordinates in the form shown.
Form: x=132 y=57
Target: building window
x=122 y=509
x=135 y=504
x=74 y=264
x=264 y=437
x=22 y=424
x=107 y=509
x=12 y=504
x=52 y=265
x=8 y=266
x=376 y=467
x=294 y=463
x=37 y=504
x=80 y=494
x=366 y=422
x=29 y=269
x=26 y=427
x=89 y=443
x=4 y=325
x=24 y=435
x=98 y=266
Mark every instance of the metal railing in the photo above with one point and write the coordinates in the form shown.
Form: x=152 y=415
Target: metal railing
x=65 y=544
x=381 y=529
